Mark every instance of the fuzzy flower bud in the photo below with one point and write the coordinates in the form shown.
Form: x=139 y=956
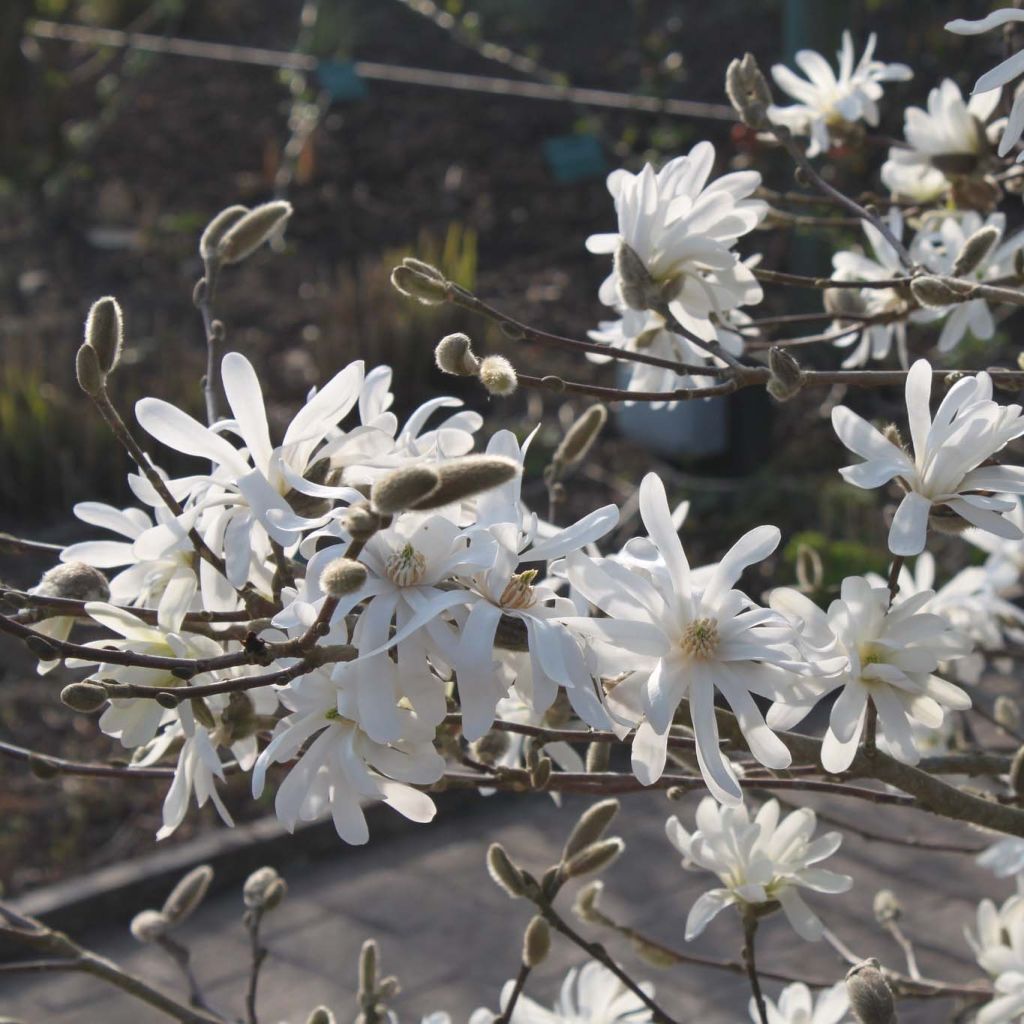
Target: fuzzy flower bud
x=250 y=231
x=934 y=292
x=217 y=228
x=425 y=288
x=104 y=332
x=592 y=825
x=536 y=941
x=186 y=896
x=360 y=522
x=870 y=996
x=594 y=858
x=490 y=747
x=254 y=890
x=1006 y=712
x=368 y=958
x=585 y=906
x=91 y=378
x=149 y=925
x=975 y=249
x=84 y=697
x=74 y=581
x=748 y=91
x=342 y=576
x=786 y=377
x=461 y=478
x=454 y=354
x=321 y=1015
x=498 y=376
x=598 y=756
x=503 y=872
x=580 y=437
x=886 y=907
x=401 y=489
x=1017 y=772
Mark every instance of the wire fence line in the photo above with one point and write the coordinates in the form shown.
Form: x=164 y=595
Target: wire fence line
x=373 y=71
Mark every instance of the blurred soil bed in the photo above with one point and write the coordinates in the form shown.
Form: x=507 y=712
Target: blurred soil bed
x=135 y=153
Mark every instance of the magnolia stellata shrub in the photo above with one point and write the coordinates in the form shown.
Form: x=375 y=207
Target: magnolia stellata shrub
x=363 y=607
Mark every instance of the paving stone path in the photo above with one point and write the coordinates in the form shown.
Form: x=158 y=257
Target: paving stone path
x=453 y=938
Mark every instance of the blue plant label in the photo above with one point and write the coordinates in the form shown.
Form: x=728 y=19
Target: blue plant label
x=573 y=158
x=340 y=79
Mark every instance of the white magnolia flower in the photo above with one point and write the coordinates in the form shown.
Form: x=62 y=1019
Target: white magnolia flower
x=343 y=767
x=827 y=101
x=689 y=641
x=683 y=229
x=890 y=657
x=590 y=994
x=994 y=926
x=761 y=861
x=1004 y=858
x=873 y=341
x=1002 y=74
x=948 y=472
x=999 y=949
x=796 y=1005
x=946 y=141
x=938 y=245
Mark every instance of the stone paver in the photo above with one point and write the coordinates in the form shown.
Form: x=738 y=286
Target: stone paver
x=453 y=938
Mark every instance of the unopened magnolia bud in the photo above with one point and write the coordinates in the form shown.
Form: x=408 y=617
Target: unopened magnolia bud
x=342 y=576
x=580 y=436
x=388 y=988
x=1007 y=712
x=454 y=354
x=536 y=941
x=149 y=925
x=886 y=907
x=42 y=647
x=203 y=714
x=217 y=228
x=933 y=292
x=540 y=773
x=585 y=906
x=104 y=332
x=489 y=747
x=593 y=858
x=187 y=894
x=810 y=569
x=842 y=302
x=975 y=249
x=503 y=872
x=255 y=887
x=498 y=376
x=637 y=287
x=250 y=231
x=431 y=291
x=592 y=825
x=598 y=756
x=786 y=376
x=400 y=490
x=368 y=968
x=1017 y=772
x=748 y=91
x=422 y=267
x=461 y=478
x=275 y=894
x=74 y=581
x=360 y=522
x=870 y=996
x=83 y=697
x=91 y=378
x=321 y=1015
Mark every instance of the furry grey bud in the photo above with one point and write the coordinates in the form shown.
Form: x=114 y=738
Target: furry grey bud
x=217 y=228
x=975 y=249
x=934 y=292
x=83 y=697
x=321 y=1015
x=638 y=288
x=342 y=576
x=249 y=232
x=540 y=773
x=254 y=889
x=536 y=941
x=598 y=756
x=585 y=906
x=1017 y=772
x=74 y=581
x=149 y=925
x=368 y=969
x=388 y=988
x=580 y=436
x=886 y=907
x=591 y=826
x=91 y=378
x=498 y=376
x=786 y=376
x=104 y=332
x=870 y=996
x=360 y=522
x=431 y=291
x=203 y=714
x=454 y=354
x=461 y=478
x=594 y=858
x=1007 y=712
x=187 y=894
x=275 y=893
x=490 y=747
x=503 y=872
x=748 y=91
x=400 y=490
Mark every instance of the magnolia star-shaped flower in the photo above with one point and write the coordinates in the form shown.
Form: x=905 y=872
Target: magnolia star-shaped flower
x=761 y=861
x=796 y=1005
x=948 y=473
